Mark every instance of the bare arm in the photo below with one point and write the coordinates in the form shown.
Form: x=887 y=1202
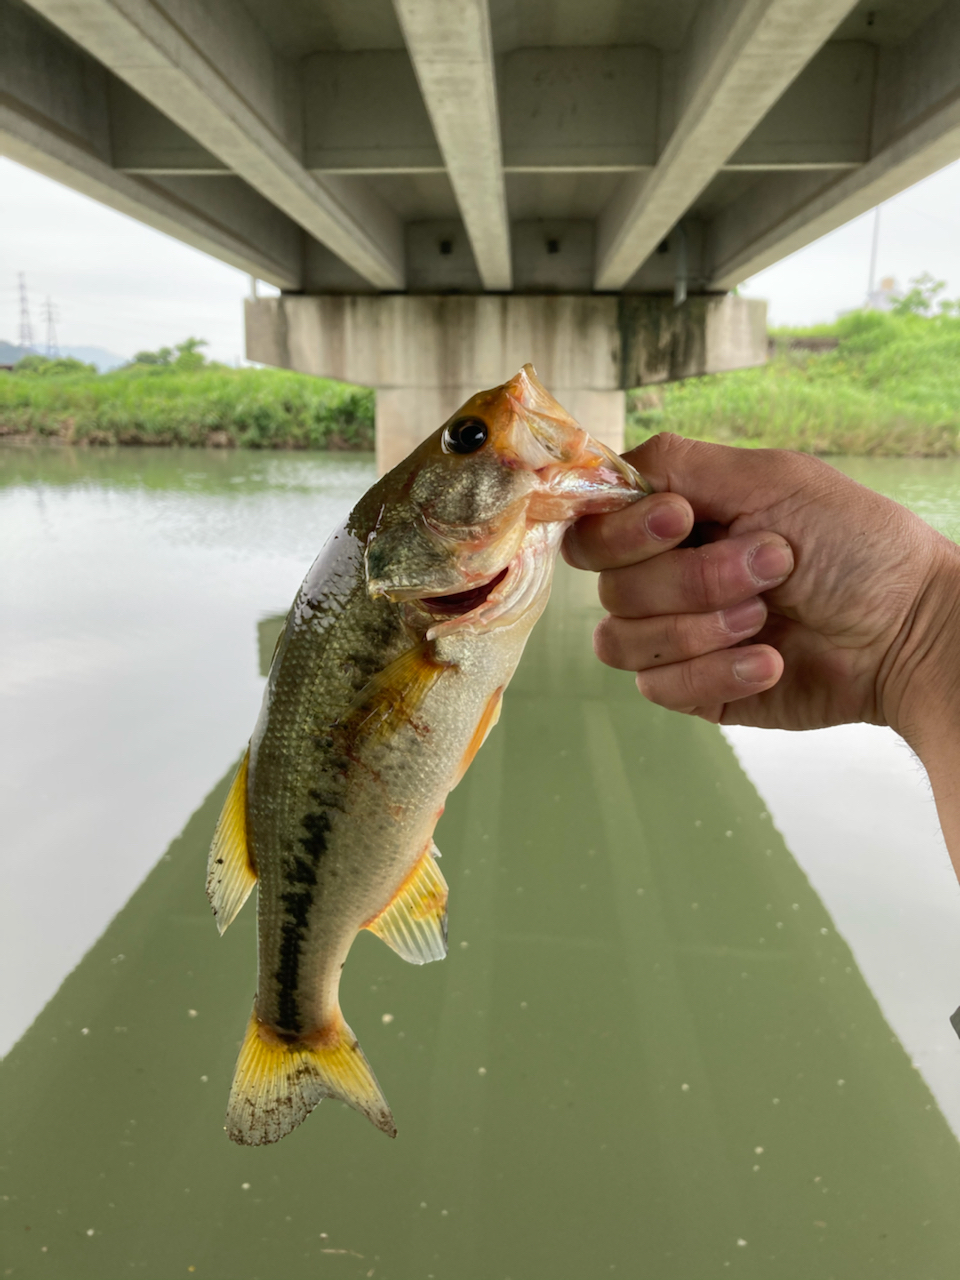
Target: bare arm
x=811 y=601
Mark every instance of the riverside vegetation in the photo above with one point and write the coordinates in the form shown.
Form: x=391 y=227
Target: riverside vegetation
x=890 y=386
x=176 y=396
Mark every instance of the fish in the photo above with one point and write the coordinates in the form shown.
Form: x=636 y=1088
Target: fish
x=386 y=679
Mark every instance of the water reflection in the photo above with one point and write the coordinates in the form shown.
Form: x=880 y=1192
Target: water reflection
x=131 y=583
x=857 y=812
x=648 y=1053
x=929 y=486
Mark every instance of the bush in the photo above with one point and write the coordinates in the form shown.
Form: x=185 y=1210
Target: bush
x=158 y=403
x=48 y=367
x=891 y=386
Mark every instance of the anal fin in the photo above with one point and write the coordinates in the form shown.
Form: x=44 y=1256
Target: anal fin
x=277 y=1085
x=230 y=870
x=414 y=922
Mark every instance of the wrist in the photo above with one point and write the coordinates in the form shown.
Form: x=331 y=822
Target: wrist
x=921 y=694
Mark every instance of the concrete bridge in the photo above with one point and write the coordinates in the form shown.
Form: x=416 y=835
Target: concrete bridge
x=443 y=189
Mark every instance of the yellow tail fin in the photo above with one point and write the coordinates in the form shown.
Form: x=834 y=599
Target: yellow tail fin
x=277 y=1085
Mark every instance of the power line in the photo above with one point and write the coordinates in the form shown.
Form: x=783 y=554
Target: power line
x=26 y=328
x=873 y=252
x=51 y=316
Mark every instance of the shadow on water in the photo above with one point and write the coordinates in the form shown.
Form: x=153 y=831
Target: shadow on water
x=648 y=1053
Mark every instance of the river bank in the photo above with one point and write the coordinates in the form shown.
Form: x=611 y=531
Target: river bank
x=889 y=387
x=162 y=405
x=872 y=384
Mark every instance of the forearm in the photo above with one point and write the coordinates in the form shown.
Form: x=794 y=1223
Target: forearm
x=944 y=772
x=928 y=715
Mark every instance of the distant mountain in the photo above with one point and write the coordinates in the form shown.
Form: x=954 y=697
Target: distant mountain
x=9 y=354
x=104 y=360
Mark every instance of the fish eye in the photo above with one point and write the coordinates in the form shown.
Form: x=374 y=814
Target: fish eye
x=466 y=435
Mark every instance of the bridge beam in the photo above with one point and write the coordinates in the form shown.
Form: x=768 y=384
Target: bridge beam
x=213 y=73
x=738 y=60
x=451 y=50
x=916 y=132
x=56 y=117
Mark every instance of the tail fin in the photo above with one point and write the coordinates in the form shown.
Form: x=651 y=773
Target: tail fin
x=277 y=1085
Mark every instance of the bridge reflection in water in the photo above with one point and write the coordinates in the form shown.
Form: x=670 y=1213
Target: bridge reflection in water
x=648 y=1053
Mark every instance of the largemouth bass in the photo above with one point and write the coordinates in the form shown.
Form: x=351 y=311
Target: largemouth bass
x=386 y=680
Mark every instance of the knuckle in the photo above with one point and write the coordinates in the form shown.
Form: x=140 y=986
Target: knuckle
x=696 y=634
x=617 y=589
x=681 y=635
x=607 y=590
x=804 y=466
x=677 y=687
x=652 y=688
x=572 y=548
x=606 y=644
x=704 y=577
x=608 y=541
x=802 y=471
x=658 y=454
x=689 y=684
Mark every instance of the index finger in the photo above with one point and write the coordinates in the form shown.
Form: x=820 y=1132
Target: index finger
x=724 y=484
x=644 y=529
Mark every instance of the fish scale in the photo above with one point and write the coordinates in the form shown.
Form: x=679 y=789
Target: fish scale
x=387 y=678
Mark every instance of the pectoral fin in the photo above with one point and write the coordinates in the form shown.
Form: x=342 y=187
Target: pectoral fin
x=415 y=921
x=230 y=870
x=392 y=696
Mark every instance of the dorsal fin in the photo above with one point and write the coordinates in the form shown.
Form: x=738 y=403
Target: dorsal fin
x=414 y=922
x=230 y=870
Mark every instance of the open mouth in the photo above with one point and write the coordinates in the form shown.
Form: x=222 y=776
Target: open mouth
x=460 y=602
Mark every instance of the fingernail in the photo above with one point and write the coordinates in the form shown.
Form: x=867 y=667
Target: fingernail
x=753 y=668
x=744 y=617
x=667 y=522
x=770 y=562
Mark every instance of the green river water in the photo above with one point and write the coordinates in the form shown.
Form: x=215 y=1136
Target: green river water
x=651 y=1051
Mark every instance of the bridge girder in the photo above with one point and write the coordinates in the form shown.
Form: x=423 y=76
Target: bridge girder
x=435 y=145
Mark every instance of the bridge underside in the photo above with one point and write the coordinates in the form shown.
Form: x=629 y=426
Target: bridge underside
x=477 y=147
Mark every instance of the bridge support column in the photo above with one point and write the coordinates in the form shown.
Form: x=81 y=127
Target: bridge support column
x=406 y=415
x=425 y=355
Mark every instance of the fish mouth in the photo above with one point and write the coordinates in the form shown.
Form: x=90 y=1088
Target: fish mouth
x=518 y=589
x=458 y=603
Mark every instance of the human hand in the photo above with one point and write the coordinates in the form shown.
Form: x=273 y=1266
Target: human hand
x=851 y=603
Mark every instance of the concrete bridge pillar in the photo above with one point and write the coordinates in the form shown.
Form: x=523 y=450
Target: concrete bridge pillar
x=425 y=355
x=406 y=415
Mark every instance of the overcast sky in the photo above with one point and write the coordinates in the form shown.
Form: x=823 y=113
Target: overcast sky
x=118 y=284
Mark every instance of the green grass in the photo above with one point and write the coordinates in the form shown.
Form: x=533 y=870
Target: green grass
x=210 y=405
x=891 y=387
